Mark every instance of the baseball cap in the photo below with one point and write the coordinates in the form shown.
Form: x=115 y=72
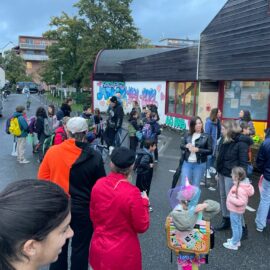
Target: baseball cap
x=77 y=125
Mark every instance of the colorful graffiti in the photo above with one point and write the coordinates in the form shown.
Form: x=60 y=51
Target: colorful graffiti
x=109 y=89
x=177 y=123
x=148 y=96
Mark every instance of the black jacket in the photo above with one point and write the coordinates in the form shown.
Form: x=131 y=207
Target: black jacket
x=143 y=161
x=232 y=154
x=116 y=115
x=203 y=143
x=263 y=159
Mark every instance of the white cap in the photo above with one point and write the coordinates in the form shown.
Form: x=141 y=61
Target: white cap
x=77 y=125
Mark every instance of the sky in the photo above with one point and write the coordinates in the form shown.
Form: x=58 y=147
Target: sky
x=155 y=19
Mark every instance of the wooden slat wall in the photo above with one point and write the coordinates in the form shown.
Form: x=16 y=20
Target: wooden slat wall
x=236 y=44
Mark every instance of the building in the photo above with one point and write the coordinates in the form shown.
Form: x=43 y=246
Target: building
x=33 y=51
x=2 y=78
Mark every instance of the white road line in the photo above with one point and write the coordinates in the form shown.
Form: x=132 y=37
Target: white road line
x=250 y=209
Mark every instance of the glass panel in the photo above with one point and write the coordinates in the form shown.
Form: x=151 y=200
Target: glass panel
x=180 y=97
x=246 y=95
x=171 y=97
x=189 y=99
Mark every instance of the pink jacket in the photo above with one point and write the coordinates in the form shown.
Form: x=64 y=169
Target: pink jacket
x=237 y=204
x=60 y=135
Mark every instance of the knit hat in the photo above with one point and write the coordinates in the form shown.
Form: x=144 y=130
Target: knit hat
x=211 y=210
x=123 y=157
x=77 y=125
x=113 y=99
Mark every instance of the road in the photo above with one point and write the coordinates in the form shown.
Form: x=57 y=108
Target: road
x=254 y=253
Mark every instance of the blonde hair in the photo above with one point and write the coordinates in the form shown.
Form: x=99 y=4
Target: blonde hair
x=232 y=128
x=240 y=174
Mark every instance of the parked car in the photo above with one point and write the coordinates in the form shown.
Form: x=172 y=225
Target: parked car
x=33 y=87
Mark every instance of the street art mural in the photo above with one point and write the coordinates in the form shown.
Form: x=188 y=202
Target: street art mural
x=143 y=92
x=177 y=123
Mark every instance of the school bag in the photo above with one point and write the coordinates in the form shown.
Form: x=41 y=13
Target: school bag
x=147 y=132
x=49 y=141
x=32 y=125
x=14 y=127
x=47 y=129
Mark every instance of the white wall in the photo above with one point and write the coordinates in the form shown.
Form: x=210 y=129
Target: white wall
x=144 y=92
x=2 y=78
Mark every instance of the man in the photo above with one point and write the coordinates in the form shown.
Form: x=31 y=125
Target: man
x=114 y=122
x=76 y=167
x=263 y=164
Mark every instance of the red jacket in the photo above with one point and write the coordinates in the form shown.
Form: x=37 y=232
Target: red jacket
x=118 y=213
x=60 y=135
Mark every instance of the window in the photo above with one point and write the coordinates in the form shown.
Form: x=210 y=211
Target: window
x=181 y=98
x=246 y=95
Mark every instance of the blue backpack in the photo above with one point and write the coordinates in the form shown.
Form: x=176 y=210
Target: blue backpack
x=147 y=132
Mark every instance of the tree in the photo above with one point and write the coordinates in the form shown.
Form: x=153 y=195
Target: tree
x=14 y=67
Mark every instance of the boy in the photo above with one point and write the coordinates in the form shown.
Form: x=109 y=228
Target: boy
x=87 y=114
x=144 y=167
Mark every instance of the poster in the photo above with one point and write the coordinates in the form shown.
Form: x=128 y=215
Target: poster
x=234 y=103
x=229 y=94
x=246 y=102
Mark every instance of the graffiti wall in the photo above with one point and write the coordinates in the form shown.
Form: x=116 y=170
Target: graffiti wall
x=177 y=123
x=143 y=92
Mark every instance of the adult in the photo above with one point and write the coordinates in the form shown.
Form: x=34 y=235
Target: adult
x=213 y=128
x=34 y=224
x=133 y=127
x=119 y=212
x=114 y=122
x=245 y=116
x=196 y=147
x=65 y=109
x=52 y=118
x=232 y=152
x=76 y=167
x=136 y=107
x=263 y=164
x=43 y=130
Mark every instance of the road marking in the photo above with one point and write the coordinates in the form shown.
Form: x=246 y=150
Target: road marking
x=172 y=171
x=250 y=209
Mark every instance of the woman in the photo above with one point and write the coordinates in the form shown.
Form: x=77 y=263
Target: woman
x=246 y=117
x=65 y=109
x=212 y=127
x=196 y=147
x=42 y=130
x=119 y=213
x=232 y=152
x=53 y=122
x=136 y=107
x=133 y=127
x=34 y=224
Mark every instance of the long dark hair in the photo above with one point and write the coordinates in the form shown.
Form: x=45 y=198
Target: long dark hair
x=246 y=117
x=192 y=124
x=53 y=110
x=214 y=115
x=132 y=114
x=41 y=112
x=29 y=209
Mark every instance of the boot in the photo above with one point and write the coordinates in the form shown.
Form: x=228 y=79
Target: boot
x=224 y=225
x=244 y=233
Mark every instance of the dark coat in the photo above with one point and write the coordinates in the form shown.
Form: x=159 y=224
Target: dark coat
x=263 y=159
x=232 y=154
x=116 y=115
x=204 y=144
x=143 y=161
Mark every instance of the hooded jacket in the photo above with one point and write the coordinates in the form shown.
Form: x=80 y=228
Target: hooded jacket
x=237 y=203
x=232 y=154
x=60 y=135
x=143 y=161
x=116 y=115
x=75 y=167
x=213 y=129
x=23 y=124
x=263 y=159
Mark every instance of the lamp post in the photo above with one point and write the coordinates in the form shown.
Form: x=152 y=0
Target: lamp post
x=61 y=81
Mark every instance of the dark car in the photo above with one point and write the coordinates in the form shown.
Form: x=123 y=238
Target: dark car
x=33 y=87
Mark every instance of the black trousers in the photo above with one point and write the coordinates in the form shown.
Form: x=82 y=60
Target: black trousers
x=143 y=182
x=133 y=143
x=83 y=230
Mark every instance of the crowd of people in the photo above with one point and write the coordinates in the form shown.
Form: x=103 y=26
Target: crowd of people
x=104 y=214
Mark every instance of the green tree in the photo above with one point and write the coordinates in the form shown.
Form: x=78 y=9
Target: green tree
x=14 y=67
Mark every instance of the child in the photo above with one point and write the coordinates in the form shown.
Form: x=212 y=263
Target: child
x=87 y=114
x=156 y=131
x=237 y=201
x=144 y=167
x=132 y=129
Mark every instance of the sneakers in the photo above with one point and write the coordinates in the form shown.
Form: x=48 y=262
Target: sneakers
x=110 y=150
x=24 y=161
x=156 y=161
x=208 y=175
x=238 y=244
x=150 y=209
x=14 y=154
x=259 y=230
x=212 y=170
x=229 y=245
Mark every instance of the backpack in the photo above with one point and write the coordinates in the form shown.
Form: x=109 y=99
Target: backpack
x=14 y=127
x=47 y=129
x=48 y=142
x=32 y=125
x=147 y=132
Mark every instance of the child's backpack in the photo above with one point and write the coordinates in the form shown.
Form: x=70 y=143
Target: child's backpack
x=47 y=129
x=32 y=125
x=147 y=132
x=14 y=127
x=49 y=141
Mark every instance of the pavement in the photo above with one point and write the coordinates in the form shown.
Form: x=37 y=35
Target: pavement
x=254 y=252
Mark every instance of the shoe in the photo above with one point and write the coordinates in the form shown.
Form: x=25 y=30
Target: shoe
x=208 y=175
x=230 y=240
x=259 y=230
x=150 y=209
x=212 y=170
x=229 y=245
x=110 y=150
x=244 y=233
x=224 y=225
x=24 y=161
x=14 y=154
x=156 y=161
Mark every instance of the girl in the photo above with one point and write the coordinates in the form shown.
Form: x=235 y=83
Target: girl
x=132 y=129
x=196 y=146
x=52 y=119
x=61 y=132
x=237 y=201
x=34 y=224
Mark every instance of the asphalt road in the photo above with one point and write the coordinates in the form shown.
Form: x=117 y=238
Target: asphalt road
x=253 y=254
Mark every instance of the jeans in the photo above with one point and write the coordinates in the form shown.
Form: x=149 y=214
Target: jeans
x=193 y=171
x=264 y=205
x=210 y=161
x=225 y=185
x=236 y=225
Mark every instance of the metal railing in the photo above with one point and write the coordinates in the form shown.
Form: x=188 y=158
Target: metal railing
x=33 y=46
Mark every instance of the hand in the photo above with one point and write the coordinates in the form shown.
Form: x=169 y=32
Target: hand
x=200 y=207
x=144 y=195
x=189 y=145
x=151 y=165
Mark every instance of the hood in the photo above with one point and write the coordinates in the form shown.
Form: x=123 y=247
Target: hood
x=210 y=121
x=247 y=187
x=17 y=114
x=65 y=106
x=243 y=138
x=60 y=130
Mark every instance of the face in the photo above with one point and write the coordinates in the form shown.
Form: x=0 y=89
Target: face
x=223 y=131
x=234 y=178
x=148 y=114
x=241 y=114
x=246 y=131
x=153 y=148
x=219 y=114
x=198 y=126
x=70 y=102
x=50 y=110
x=48 y=250
x=112 y=104
x=88 y=111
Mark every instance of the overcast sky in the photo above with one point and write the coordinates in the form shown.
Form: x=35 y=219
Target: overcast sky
x=155 y=18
